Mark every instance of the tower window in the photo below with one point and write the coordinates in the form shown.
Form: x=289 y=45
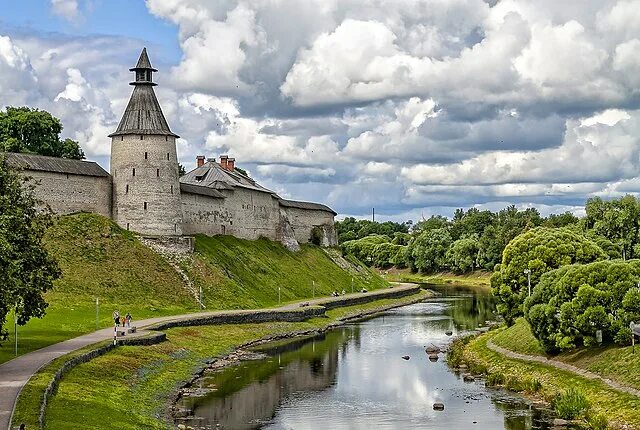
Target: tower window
x=126 y=189
x=158 y=173
x=134 y=171
x=146 y=155
x=167 y=155
x=171 y=189
x=141 y=137
x=127 y=226
x=121 y=138
x=175 y=227
x=166 y=138
x=145 y=206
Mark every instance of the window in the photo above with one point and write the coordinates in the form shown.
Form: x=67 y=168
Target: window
x=166 y=138
x=145 y=206
x=127 y=226
x=141 y=137
x=158 y=173
x=171 y=189
x=134 y=171
x=175 y=227
x=167 y=155
x=146 y=154
x=223 y=229
x=121 y=138
x=126 y=189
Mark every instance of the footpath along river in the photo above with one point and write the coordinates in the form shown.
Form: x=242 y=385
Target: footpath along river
x=355 y=377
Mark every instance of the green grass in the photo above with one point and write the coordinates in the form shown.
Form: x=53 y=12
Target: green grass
x=130 y=386
x=518 y=338
x=99 y=259
x=479 y=278
x=618 y=407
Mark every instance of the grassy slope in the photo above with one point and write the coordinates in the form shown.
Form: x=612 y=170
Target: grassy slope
x=146 y=376
x=617 y=406
x=478 y=278
x=613 y=362
x=236 y=273
x=99 y=259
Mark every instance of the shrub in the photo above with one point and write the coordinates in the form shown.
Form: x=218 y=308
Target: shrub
x=598 y=422
x=362 y=249
x=495 y=379
x=571 y=405
x=570 y=304
x=539 y=250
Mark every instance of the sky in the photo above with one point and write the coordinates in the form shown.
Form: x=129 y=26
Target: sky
x=414 y=107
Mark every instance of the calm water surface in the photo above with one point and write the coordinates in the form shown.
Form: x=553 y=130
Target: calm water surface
x=355 y=378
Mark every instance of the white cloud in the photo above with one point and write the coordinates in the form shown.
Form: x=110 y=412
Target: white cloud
x=68 y=9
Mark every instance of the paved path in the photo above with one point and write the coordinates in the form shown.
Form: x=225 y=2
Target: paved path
x=563 y=366
x=15 y=374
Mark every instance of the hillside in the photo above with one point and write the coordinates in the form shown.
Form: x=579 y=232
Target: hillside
x=100 y=260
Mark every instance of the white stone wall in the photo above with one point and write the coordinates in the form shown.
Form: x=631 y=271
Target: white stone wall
x=154 y=182
x=69 y=193
x=244 y=213
x=304 y=220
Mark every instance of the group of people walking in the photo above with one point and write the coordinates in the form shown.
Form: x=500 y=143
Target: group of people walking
x=125 y=321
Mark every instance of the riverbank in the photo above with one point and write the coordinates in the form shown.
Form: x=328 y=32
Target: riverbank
x=478 y=279
x=131 y=387
x=542 y=381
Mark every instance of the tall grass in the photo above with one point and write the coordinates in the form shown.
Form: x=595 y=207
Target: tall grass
x=571 y=404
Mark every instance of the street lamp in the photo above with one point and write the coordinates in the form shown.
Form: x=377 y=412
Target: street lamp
x=528 y=273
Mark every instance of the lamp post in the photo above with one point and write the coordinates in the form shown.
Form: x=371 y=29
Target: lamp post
x=528 y=273
x=314 y=289
x=278 y=295
x=15 y=327
x=632 y=326
x=97 y=313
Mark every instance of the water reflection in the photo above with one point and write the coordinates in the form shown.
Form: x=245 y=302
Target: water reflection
x=355 y=378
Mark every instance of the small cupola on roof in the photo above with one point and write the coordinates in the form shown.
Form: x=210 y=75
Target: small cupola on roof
x=143 y=114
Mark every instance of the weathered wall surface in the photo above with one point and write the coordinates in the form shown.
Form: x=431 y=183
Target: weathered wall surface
x=244 y=213
x=304 y=220
x=69 y=193
x=146 y=191
x=204 y=215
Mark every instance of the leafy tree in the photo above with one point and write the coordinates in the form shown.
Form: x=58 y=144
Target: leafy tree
x=34 y=131
x=570 y=304
x=27 y=269
x=432 y=223
x=427 y=251
x=400 y=238
x=181 y=170
x=387 y=254
x=462 y=255
x=351 y=229
x=539 y=250
x=471 y=222
x=363 y=249
x=560 y=220
x=618 y=220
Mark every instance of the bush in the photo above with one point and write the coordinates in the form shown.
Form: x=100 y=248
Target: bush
x=571 y=405
x=495 y=379
x=362 y=249
x=570 y=304
x=598 y=422
x=539 y=250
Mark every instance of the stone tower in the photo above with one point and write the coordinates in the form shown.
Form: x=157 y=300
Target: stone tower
x=144 y=163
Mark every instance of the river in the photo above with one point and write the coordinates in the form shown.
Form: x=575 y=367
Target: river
x=355 y=377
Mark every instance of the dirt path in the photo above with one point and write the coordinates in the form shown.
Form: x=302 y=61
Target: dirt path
x=563 y=366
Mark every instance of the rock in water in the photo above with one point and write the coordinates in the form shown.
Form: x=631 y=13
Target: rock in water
x=448 y=332
x=559 y=422
x=432 y=349
x=468 y=378
x=405 y=357
x=433 y=357
x=438 y=406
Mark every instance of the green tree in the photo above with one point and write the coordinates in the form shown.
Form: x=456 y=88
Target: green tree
x=462 y=255
x=27 y=269
x=560 y=220
x=539 y=250
x=34 y=131
x=618 y=220
x=570 y=304
x=427 y=251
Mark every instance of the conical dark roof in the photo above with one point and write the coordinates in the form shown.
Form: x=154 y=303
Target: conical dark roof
x=143 y=114
x=143 y=62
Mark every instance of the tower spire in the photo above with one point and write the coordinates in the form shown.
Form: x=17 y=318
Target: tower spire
x=143 y=114
x=144 y=70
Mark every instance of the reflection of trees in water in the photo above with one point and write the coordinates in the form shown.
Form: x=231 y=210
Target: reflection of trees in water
x=469 y=308
x=515 y=419
x=250 y=392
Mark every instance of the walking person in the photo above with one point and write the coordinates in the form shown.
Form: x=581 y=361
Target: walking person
x=127 y=317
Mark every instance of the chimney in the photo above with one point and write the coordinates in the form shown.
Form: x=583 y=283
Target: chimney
x=231 y=164
x=223 y=161
x=200 y=161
